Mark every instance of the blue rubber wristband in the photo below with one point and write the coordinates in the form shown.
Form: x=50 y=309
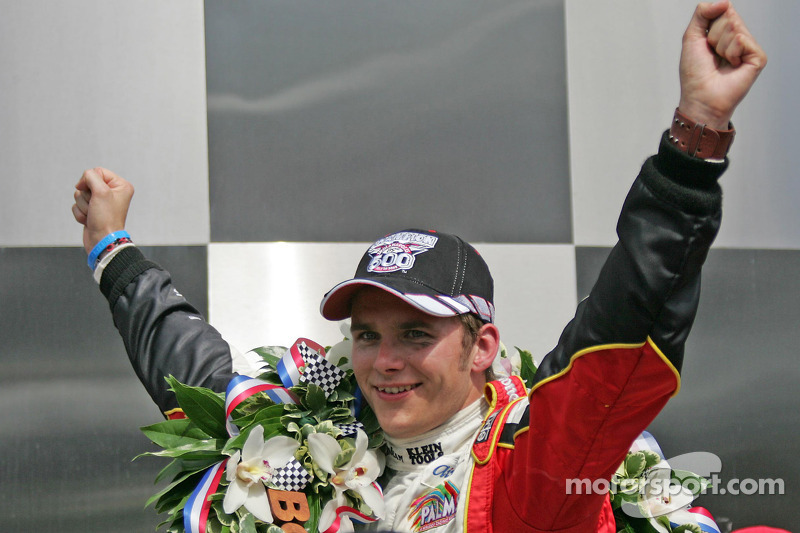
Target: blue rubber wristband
x=100 y=246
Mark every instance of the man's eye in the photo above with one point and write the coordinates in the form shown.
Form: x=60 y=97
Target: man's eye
x=416 y=334
x=367 y=336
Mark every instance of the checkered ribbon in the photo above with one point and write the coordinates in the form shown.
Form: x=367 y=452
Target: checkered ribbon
x=293 y=363
x=292 y=477
x=350 y=429
x=322 y=372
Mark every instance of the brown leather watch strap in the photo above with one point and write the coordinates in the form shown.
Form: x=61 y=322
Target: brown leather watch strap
x=699 y=140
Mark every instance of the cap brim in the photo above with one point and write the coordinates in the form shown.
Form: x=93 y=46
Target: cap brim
x=336 y=305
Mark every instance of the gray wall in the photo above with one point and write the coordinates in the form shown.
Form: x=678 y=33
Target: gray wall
x=516 y=124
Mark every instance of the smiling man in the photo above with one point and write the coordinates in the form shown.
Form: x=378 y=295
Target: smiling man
x=466 y=453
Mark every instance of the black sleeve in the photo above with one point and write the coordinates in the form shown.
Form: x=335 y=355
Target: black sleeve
x=650 y=284
x=163 y=334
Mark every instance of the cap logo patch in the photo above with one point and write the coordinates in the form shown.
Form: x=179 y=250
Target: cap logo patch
x=397 y=251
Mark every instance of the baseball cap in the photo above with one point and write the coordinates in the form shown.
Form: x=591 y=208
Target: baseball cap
x=438 y=273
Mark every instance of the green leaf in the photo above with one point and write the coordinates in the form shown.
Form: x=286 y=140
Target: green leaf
x=368 y=418
x=178 y=466
x=651 y=458
x=342 y=395
x=271 y=354
x=687 y=527
x=262 y=416
x=174 y=433
x=315 y=400
x=627 y=486
x=204 y=407
x=664 y=522
x=315 y=509
x=192 y=477
x=634 y=464
x=171 y=440
x=325 y=426
x=224 y=518
x=343 y=457
x=192 y=446
x=528 y=367
x=689 y=480
x=247 y=523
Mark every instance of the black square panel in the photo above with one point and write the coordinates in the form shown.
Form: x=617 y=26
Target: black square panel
x=72 y=405
x=739 y=396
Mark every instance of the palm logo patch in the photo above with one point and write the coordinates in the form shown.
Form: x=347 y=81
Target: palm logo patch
x=435 y=508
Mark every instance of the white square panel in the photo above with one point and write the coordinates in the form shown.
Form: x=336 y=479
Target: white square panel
x=114 y=84
x=269 y=293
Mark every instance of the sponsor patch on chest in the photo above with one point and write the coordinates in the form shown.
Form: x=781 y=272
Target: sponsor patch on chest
x=434 y=508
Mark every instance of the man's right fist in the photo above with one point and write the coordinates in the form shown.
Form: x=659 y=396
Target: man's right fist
x=101 y=204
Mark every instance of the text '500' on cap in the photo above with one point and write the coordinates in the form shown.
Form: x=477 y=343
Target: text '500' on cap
x=438 y=273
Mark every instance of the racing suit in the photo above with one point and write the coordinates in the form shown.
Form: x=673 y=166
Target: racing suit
x=505 y=465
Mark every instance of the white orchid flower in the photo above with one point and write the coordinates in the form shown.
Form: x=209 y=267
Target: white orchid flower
x=357 y=475
x=249 y=470
x=660 y=496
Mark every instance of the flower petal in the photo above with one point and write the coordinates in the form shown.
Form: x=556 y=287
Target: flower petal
x=235 y=496
x=372 y=465
x=346 y=525
x=323 y=450
x=254 y=444
x=328 y=515
x=362 y=443
x=279 y=450
x=230 y=468
x=257 y=503
x=373 y=497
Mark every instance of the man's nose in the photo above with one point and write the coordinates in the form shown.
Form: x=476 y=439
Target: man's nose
x=390 y=357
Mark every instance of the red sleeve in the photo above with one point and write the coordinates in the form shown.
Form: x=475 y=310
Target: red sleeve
x=618 y=361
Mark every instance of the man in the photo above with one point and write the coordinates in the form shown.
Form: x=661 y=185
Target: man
x=423 y=333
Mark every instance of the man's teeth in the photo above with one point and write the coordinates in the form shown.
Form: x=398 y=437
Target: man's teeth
x=396 y=390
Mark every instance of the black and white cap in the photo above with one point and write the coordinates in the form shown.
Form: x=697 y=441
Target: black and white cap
x=438 y=273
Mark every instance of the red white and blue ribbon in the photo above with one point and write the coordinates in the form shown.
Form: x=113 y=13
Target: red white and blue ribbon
x=291 y=365
x=195 y=513
x=242 y=387
x=704 y=520
x=345 y=511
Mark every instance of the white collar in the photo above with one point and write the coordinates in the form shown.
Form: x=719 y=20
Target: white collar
x=450 y=437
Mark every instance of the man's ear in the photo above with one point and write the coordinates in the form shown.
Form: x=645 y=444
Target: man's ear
x=485 y=348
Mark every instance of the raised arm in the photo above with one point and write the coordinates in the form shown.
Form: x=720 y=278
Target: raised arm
x=163 y=334
x=618 y=361
x=720 y=62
